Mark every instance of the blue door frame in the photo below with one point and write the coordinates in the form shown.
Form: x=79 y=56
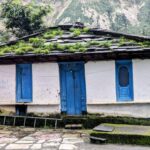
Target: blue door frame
x=23 y=82
x=72 y=88
x=124 y=92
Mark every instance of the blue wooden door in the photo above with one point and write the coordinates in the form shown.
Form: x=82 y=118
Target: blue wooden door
x=124 y=80
x=24 y=82
x=72 y=81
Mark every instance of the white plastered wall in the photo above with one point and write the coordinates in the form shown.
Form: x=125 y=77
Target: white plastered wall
x=46 y=87
x=101 y=89
x=7 y=84
x=141 y=80
x=100 y=82
x=101 y=86
x=45 y=78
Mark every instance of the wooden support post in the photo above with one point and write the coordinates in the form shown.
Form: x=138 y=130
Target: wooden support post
x=14 y=121
x=55 y=123
x=24 y=121
x=34 y=122
x=4 y=120
x=45 y=123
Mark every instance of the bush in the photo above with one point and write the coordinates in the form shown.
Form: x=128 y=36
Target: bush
x=23 y=50
x=25 y=19
x=90 y=121
x=123 y=138
x=76 y=32
x=41 y=51
x=52 y=33
x=37 y=42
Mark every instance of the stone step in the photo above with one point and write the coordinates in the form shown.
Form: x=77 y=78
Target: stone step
x=103 y=128
x=73 y=126
x=97 y=139
x=74 y=117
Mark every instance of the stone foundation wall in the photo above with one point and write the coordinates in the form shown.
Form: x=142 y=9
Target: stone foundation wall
x=131 y=109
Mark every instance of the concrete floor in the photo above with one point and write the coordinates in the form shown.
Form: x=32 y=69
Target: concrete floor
x=16 y=138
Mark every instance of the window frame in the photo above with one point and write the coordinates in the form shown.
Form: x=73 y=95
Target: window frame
x=19 y=99
x=128 y=64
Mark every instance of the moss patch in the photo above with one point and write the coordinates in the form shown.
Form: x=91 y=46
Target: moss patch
x=126 y=42
x=119 y=138
x=90 y=121
x=78 y=31
x=47 y=43
x=125 y=134
x=105 y=44
x=52 y=33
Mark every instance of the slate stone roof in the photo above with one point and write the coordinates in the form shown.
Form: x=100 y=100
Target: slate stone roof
x=73 y=43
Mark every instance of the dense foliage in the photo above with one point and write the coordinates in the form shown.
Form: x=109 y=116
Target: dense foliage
x=23 y=19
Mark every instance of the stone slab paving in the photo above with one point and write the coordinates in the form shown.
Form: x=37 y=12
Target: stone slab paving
x=68 y=147
x=36 y=146
x=18 y=146
x=38 y=139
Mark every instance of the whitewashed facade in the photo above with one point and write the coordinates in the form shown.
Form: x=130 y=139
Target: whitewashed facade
x=100 y=79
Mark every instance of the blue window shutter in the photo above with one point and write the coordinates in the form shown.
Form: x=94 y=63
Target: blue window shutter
x=83 y=88
x=124 y=80
x=63 y=91
x=24 y=82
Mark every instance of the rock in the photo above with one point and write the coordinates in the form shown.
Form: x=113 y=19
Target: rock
x=55 y=140
x=40 y=141
x=72 y=140
x=68 y=147
x=103 y=128
x=28 y=138
x=18 y=146
x=51 y=144
x=24 y=142
x=8 y=140
x=36 y=146
x=70 y=135
x=2 y=145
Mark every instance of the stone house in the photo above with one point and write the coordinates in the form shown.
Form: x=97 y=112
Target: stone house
x=75 y=70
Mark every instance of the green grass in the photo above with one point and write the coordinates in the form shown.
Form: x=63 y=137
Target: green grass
x=37 y=42
x=78 y=31
x=92 y=120
x=52 y=33
x=129 y=129
x=105 y=44
x=119 y=138
x=124 y=41
x=125 y=134
x=38 y=45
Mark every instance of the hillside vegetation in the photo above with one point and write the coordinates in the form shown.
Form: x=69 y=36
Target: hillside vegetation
x=130 y=16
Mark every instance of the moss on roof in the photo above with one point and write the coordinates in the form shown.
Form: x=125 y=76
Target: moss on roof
x=54 y=40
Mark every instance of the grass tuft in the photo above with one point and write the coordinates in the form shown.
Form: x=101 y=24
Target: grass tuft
x=122 y=138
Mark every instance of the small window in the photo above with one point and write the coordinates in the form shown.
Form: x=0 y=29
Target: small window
x=124 y=80
x=123 y=76
x=24 y=83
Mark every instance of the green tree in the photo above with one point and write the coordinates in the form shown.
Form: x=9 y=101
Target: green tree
x=23 y=19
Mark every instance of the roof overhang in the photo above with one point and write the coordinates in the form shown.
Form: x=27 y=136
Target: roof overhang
x=89 y=56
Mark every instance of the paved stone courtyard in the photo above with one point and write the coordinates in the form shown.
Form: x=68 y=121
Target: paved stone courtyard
x=16 y=138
